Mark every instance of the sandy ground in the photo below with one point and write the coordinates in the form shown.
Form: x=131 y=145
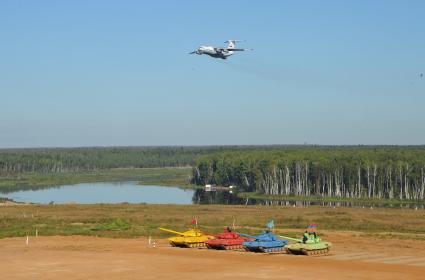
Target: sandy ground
x=79 y=257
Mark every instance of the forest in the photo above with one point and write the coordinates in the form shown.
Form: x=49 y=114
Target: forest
x=58 y=160
x=358 y=172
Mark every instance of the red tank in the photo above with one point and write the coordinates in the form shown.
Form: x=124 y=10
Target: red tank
x=226 y=241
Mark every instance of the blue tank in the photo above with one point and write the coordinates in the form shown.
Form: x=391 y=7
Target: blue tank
x=266 y=242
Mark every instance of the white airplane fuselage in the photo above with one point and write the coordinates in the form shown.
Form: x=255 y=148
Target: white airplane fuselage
x=214 y=52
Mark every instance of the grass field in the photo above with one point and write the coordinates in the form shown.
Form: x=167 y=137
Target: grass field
x=154 y=176
x=125 y=220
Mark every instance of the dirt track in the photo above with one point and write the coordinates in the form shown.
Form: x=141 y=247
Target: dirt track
x=78 y=257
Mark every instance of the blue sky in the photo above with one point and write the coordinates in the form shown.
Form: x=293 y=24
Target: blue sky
x=100 y=73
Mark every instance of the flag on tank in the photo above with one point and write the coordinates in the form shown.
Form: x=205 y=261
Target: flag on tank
x=312 y=227
x=270 y=224
x=194 y=222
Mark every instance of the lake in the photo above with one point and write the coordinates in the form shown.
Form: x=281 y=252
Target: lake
x=108 y=192
x=131 y=192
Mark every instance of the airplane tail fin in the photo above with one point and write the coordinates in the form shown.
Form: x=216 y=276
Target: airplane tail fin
x=232 y=43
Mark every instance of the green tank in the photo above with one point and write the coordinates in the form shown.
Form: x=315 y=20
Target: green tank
x=311 y=244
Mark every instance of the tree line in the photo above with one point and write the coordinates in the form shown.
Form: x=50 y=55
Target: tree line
x=53 y=160
x=392 y=172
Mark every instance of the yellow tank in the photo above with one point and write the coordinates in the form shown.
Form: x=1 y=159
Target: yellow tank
x=193 y=238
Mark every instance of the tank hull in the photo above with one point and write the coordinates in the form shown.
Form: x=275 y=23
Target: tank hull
x=320 y=248
x=225 y=244
x=265 y=246
x=189 y=242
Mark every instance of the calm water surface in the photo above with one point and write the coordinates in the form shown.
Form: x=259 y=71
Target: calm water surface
x=90 y=193
x=131 y=192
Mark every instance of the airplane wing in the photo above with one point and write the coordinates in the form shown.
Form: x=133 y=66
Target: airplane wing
x=192 y=52
x=238 y=50
x=228 y=50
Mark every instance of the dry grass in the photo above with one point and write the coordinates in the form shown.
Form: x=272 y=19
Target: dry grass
x=128 y=221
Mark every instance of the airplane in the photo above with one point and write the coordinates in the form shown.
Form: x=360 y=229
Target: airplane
x=218 y=52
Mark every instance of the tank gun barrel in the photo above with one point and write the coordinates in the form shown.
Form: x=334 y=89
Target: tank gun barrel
x=290 y=238
x=171 y=231
x=247 y=235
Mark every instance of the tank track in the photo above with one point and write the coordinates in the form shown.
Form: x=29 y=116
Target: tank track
x=233 y=247
x=189 y=245
x=274 y=250
x=196 y=245
x=226 y=247
x=315 y=253
x=322 y=252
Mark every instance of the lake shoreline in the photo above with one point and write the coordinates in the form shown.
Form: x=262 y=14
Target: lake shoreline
x=166 y=176
x=314 y=199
